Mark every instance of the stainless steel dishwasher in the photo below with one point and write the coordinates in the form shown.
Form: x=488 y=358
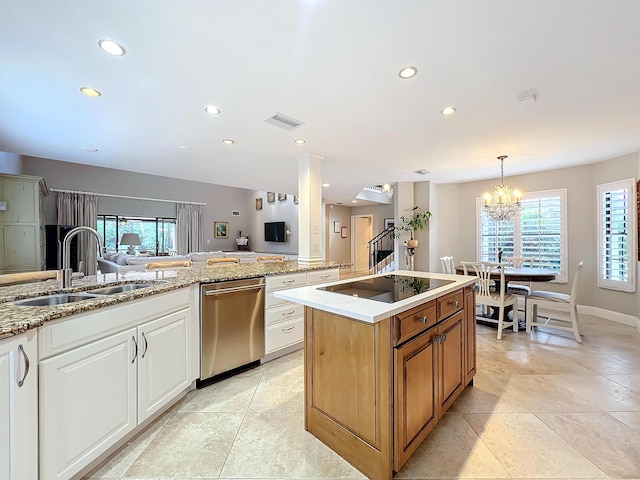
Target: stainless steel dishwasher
x=231 y=325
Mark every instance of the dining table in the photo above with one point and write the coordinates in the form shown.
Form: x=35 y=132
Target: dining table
x=513 y=274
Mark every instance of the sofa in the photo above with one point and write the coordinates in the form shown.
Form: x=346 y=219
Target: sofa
x=122 y=262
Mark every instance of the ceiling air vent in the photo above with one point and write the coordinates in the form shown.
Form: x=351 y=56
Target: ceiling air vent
x=282 y=121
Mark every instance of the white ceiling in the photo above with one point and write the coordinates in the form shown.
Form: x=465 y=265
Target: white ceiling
x=332 y=64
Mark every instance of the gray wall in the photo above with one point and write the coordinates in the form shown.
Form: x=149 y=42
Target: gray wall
x=220 y=200
x=279 y=211
x=455 y=223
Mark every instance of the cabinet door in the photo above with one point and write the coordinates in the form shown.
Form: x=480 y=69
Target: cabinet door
x=21 y=247
x=18 y=408
x=415 y=393
x=450 y=360
x=163 y=361
x=469 y=334
x=87 y=403
x=20 y=196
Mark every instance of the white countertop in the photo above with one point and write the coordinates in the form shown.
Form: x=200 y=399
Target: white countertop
x=370 y=311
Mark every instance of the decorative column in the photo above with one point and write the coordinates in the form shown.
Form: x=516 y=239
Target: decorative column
x=310 y=209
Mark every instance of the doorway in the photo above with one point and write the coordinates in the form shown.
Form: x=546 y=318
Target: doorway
x=362 y=228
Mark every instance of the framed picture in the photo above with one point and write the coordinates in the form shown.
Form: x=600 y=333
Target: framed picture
x=282 y=197
x=389 y=222
x=221 y=229
x=271 y=197
x=343 y=232
x=295 y=199
x=336 y=227
x=258 y=203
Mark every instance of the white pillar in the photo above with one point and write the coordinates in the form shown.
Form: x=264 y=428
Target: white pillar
x=310 y=209
x=404 y=202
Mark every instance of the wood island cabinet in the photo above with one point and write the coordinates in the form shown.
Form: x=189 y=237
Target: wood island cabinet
x=374 y=391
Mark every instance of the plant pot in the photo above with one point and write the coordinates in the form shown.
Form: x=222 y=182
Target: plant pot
x=412 y=243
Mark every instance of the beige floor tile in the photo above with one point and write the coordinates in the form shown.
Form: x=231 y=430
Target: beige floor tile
x=231 y=395
x=549 y=362
x=189 y=445
x=486 y=396
x=453 y=450
x=280 y=393
x=527 y=448
x=500 y=363
x=602 y=392
x=600 y=362
x=284 y=364
x=632 y=382
x=536 y=393
x=608 y=443
x=630 y=419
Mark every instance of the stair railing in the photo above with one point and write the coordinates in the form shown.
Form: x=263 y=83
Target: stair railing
x=380 y=247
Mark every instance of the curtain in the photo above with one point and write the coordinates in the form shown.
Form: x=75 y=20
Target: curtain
x=81 y=209
x=189 y=233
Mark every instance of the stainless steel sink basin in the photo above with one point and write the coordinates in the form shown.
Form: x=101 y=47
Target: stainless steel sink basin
x=58 y=299
x=127 y=287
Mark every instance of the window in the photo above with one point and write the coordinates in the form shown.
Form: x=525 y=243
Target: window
x=616 y=259
x=538 y=232
x=157 y=235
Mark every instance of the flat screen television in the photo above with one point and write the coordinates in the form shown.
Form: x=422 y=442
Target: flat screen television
x=274 y=232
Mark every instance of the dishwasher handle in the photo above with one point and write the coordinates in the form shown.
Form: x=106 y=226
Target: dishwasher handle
x=222 y=291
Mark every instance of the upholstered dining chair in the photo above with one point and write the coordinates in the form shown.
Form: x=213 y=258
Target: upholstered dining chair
x=270 y=258
x=447 y=265
x=559 y=302
x=218 y=261
x=520 y=288
x=485 y=296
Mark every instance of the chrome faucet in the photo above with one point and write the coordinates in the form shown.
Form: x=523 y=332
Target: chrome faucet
x=67 y=271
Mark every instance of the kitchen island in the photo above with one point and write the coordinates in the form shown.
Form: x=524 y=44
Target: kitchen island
x=385 y=357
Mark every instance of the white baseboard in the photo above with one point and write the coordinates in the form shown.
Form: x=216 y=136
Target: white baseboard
x=611 y=315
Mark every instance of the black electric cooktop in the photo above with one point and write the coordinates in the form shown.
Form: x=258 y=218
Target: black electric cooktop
x=388 y=289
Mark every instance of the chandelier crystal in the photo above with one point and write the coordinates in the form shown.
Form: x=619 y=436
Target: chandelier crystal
x=504 y=204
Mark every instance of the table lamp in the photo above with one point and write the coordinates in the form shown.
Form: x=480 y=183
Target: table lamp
x=131 y=239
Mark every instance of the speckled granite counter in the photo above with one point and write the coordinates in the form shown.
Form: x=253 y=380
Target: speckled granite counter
x=18 y=319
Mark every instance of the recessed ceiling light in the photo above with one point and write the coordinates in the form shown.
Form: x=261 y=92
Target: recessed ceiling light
x=111 y=47
x=354 y=201
x=228 y=141
x=300 y=141
x=448 y=110
x=408 y=72
x=185 y=147
x=90 y=92
x=422 y=171
x=326 y=184
x=212 y=110
x=90 y=149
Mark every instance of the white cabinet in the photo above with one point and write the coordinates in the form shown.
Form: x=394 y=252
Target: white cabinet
x=284 y=321
x=18 y=408
x=22 y=240
x=104 y=373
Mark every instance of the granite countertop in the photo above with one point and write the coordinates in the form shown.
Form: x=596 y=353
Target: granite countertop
x=18 y=319
x=364 y=309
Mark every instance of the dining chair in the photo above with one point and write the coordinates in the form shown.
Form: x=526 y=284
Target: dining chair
x=217 y=261
x=520 y=288
x=555 y=301
x=448 y=265
x=270 y=258
x=485 y=296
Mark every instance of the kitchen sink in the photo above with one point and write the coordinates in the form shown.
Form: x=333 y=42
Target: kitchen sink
x=58 y=299
x=127 y=287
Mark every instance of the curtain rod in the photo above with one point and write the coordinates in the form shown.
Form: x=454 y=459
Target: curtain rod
x=125 y=196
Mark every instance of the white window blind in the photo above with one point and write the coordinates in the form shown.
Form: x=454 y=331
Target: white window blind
x=616 y=239
x=539 y=232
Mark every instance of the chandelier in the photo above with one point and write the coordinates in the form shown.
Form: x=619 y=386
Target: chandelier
x=504 y=204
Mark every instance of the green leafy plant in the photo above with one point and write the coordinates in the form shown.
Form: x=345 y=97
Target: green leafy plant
x=418 y=220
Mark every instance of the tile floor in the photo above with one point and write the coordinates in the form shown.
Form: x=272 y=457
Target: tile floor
x=541 y=407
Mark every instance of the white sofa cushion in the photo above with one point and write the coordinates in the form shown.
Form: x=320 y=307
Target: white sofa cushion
x=198 y=257
x=133 y=260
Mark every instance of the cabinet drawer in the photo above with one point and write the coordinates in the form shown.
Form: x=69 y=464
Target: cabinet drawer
x=450 y=304
x=279 y=282
x=408 y=323
x=283 y=334
x=284 y=312
x=322 y=276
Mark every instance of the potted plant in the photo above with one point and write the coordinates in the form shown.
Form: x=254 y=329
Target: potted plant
x=418 y=220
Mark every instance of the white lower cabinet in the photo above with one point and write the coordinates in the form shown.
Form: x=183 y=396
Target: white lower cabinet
x=94 y=394
x=19 y=407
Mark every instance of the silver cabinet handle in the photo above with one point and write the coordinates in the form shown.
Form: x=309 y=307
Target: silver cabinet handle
x=135 y=352
x=286 y=314
x=288 y=282
x=26 y=365
x=146 y=344
x=325 y=276
x=454 y=304
x=423 y=319
x=288 y=329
